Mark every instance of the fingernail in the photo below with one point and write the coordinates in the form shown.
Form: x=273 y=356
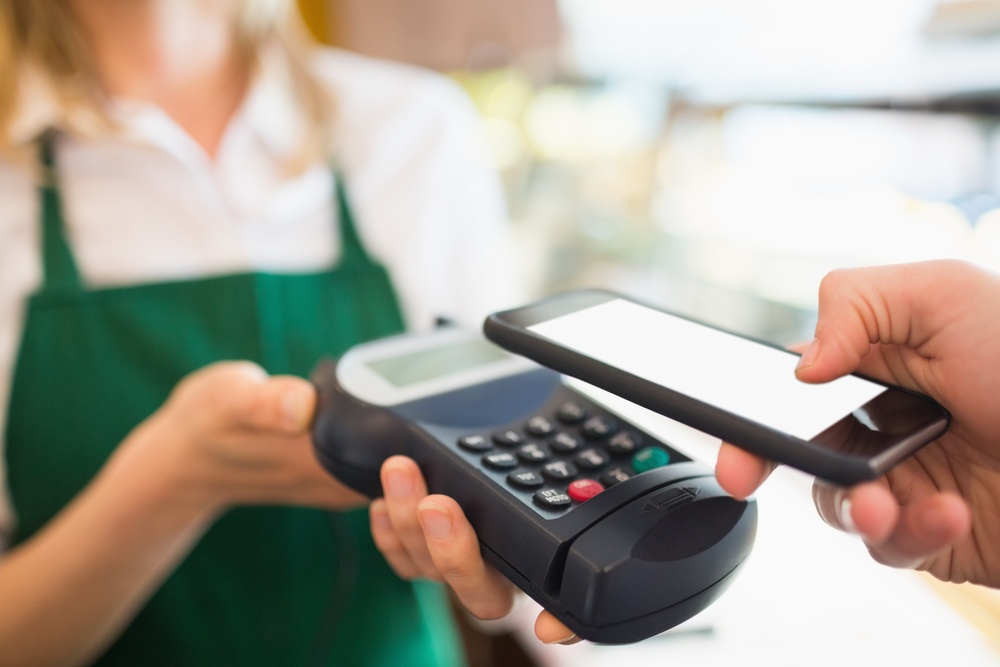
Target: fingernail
x=252 y=371
x=398 y=484
x=809 y=355
x=436 y=520
x=571 y=638
x=843 y=506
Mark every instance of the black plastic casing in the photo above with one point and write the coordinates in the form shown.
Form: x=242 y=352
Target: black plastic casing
x=639 y=558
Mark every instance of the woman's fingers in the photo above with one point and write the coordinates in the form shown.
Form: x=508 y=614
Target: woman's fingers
x=429 y=537
x=454 y=548
x=388 y=542
x=241 y=396
x=549 y=630
x=404 y=487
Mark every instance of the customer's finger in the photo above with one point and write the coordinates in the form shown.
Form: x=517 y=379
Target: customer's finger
x=739 y=472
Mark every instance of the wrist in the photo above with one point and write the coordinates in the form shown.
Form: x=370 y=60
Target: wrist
x=156 y=468
x=127 y=531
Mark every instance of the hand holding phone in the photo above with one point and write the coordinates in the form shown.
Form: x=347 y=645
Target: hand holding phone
x=740 y=390
x=937 y=332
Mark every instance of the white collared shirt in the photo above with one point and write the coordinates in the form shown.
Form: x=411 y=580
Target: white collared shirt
x=148 y=204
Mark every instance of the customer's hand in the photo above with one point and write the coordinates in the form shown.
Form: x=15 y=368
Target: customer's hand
x=933 y=327
x=428 y=536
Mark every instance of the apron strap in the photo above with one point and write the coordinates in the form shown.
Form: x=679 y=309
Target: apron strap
x=58 y=265
x=353 y=251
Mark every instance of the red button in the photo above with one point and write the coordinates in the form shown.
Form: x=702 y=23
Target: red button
x=584 y=489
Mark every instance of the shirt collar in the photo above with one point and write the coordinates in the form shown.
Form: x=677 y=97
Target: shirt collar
x=269 y=110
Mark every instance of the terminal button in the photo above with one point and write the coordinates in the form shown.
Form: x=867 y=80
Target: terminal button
x=508 y=438
x=552 y=498
x=559 y=470
x=648 y=458
x=525 y=479
x=582 y=490
x=500 y=461
x=475 y=443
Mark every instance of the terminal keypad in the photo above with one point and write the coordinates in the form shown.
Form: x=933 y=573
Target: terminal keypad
x=567 y=457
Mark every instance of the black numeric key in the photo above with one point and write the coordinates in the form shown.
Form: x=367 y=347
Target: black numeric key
x=475 y=443
x=571 y=413
x=625 y=442
x=564 y=442
x=525 y=479
x=533 y=453
x=616 y=476
x=539 y=426
x=552 y=498
x=559 y=470
x=599 y=426
x=500 y=461
x=591 y=459
x=508 y=438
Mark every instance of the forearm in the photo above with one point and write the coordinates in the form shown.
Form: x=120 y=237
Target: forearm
x=228 y=435
x=66 y=593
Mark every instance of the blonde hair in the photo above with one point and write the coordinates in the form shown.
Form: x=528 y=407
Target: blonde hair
x=45 y=33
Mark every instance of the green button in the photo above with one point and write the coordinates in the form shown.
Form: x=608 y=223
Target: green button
x=648 y=458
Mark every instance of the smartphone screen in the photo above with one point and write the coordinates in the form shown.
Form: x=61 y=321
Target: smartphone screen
x=741 y=376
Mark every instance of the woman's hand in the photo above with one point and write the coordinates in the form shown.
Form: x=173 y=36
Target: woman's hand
x=932 y=327
x=427 y=536
x=229 y=435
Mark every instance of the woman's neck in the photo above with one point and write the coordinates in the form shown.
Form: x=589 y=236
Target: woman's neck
x=178 y=54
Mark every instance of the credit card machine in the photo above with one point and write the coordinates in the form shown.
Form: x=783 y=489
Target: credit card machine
x=615 y=532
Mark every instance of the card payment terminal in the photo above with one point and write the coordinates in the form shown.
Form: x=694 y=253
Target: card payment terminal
x=612 y=530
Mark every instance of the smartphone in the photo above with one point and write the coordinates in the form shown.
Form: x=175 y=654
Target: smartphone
x=741 y=390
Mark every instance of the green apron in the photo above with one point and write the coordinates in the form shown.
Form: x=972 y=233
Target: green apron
x=265 y=585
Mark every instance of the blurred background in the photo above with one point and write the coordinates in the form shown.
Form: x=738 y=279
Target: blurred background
x=719 y=157
x=723 y=152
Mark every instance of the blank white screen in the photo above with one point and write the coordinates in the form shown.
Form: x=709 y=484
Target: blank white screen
x=740 y=376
